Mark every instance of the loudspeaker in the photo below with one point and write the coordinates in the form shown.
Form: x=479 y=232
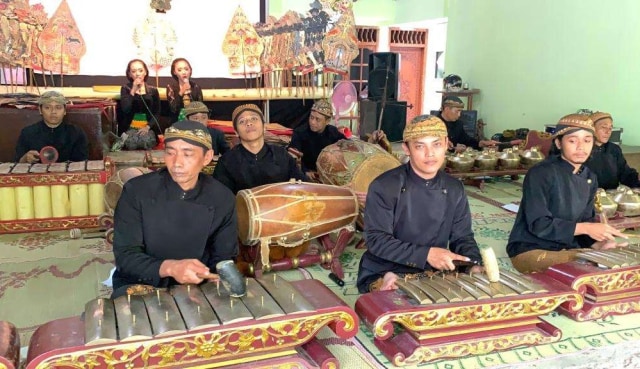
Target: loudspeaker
x=383 y=71
x=393 y=120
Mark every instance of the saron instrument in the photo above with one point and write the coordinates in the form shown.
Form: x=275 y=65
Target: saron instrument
x=275 y=324
x=37 y=197
x=456 y=315
x=608 y=279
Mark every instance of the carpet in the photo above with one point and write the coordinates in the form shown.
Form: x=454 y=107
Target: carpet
x=46 y=276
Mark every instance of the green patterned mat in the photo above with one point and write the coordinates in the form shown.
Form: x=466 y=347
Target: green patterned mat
x=46 y=276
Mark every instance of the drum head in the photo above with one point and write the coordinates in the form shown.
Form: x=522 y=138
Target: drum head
x=48 y=155
x=113 y=188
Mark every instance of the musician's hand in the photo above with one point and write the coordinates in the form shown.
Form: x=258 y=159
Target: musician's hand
x=460 y=148
x=185 y=271
x=515 y=142
x=313 y=176
x=599 y=231
x=389 y=282
x=488 y=143
x=137 y=85
x=442 y=259
x=185 y=87
x=608 y=245
x=377 y=136
x=143 y=131
x=213 y=277
x=31 y=156
x=476 y=269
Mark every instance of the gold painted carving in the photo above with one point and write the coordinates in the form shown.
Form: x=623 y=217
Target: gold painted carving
x=189 y=349
x=618 y=308
x=460 y=316
x=461 y=349
x=610 y=282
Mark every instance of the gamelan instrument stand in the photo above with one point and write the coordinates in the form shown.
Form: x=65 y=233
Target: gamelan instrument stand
x=609 y=280
x=46 y=197
x=456 y=315
x=288 y=214
x=273 y=325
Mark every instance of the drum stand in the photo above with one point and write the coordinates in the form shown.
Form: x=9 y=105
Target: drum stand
x=328 y=258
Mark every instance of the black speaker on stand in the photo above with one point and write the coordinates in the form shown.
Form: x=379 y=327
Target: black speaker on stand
x=383 y=71
x=393 y=120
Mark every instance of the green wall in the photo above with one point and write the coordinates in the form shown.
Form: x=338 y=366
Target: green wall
x=536 y=61
x=367 y=12
x=408 y=11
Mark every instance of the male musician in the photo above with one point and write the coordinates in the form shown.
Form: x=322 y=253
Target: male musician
x=309 y=139
x=253 y=162
x=606 y=160
x=452 y=107
x=69 y=140
x=197 y=111
x=556 y=216
x=173 y=226
x=417 y=217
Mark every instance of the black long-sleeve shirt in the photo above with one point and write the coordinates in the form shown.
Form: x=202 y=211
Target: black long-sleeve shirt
x=218 y=142
x=608 y=164
x=240 y=169
x=155 y=220
x=176 y=101
x=69 y=140
x=132 y=105
x=406 y=216
x=310 y=143
x=457 y=134
x=554 y=200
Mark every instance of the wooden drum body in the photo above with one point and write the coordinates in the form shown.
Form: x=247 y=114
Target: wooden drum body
x=291 y=213
x=273 y=325
x=609 y=281
x=9 y=346
x=113 y=187
x=39 y=197
x=461 y=315
x=354 y=164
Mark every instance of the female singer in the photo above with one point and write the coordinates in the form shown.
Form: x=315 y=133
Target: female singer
x=181 y=91
x=142 y=101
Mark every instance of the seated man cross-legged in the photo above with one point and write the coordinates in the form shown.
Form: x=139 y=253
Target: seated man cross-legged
x=417 y=217
x=556 y=217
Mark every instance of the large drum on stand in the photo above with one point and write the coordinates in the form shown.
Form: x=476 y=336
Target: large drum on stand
x=354 y=164
x=289 y=214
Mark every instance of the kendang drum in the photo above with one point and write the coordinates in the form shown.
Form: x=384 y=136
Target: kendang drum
x=291 y=213
x=354 y=164
x=112 y=192
x=113 y=188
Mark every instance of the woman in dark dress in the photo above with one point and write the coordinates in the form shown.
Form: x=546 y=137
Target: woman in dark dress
x=182 y=90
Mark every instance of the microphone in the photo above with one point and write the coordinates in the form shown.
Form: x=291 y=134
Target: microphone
x=186 y=98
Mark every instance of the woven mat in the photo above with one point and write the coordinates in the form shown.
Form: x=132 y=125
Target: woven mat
x=47 y=276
